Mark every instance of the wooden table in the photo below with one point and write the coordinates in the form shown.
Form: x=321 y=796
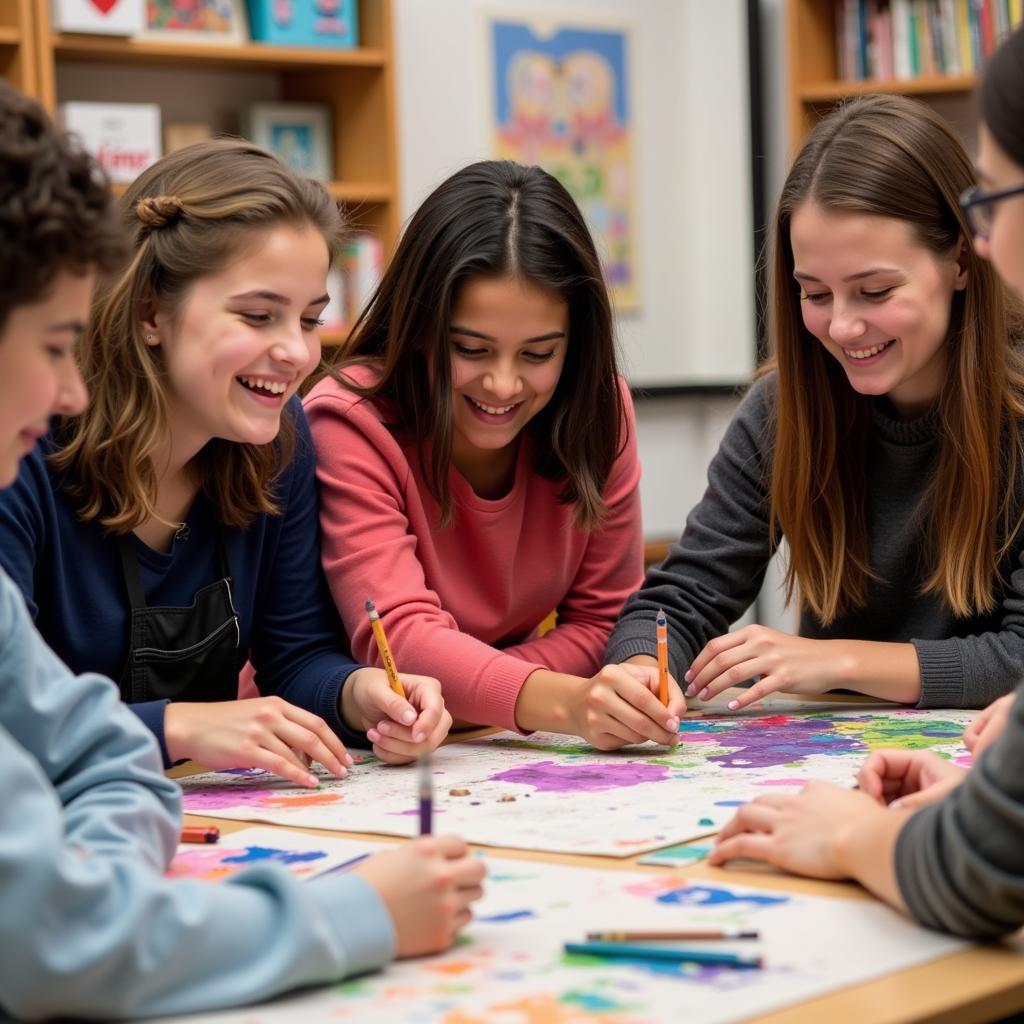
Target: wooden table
x=980 y=984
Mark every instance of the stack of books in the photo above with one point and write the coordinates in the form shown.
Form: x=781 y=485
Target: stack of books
x=905 y=39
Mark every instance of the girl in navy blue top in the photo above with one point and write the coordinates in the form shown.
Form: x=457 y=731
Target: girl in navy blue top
x=170 y=532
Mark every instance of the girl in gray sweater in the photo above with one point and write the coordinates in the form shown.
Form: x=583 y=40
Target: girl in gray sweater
x=947 y=848
x=869 y=443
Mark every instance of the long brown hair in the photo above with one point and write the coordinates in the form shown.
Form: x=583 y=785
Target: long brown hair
x=892 y=157
x=187 y=216
x=497 y=219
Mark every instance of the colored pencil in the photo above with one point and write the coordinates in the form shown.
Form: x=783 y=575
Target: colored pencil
x=385 y=651
x=678 y=936
x=426 y=794
x=200 y=834
x=661 y=954
x=661 y=624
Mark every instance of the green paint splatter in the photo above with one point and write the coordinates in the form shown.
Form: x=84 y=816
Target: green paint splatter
x=462 y=939
x=547 y=748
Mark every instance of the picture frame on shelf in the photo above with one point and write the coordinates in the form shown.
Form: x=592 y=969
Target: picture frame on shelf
x=104 y=17
x=298 y=133
x=196 y=21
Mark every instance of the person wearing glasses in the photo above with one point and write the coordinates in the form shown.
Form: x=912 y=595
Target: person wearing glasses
x=882 y=442
x=941 y=843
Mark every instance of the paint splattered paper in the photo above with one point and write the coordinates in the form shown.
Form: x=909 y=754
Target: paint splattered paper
x=303 y=855
x=555 y=793
x=509 y=967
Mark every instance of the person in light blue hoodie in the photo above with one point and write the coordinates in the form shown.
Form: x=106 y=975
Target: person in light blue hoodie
x=90 y=927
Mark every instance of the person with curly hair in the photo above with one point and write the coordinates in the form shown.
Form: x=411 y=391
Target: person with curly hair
x=91 y=927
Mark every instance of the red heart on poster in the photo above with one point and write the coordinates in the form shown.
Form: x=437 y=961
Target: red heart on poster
x=104 y=6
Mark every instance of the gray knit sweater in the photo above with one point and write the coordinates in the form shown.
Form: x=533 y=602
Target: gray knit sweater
x=714 y=571
x=959 y=863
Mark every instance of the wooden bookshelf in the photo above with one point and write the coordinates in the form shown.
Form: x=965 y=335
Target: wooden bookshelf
x=18 y=45
x=189 y=79
x=814 y=85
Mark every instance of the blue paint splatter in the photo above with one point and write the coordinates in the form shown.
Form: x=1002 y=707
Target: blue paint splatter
x=253 y=854
x=730 y=803
x=510 y=915
x=708 y=896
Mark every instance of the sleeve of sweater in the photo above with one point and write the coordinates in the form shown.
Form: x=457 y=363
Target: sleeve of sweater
x=369 y=548
x=90 y=927
x=972 y=671
x=958 y=862
x=714 y=571
x=611 y=570
x=299 y=648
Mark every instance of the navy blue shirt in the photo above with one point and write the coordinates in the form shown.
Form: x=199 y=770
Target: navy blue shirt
x=70 y=574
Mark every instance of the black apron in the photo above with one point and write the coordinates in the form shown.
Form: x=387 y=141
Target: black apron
x=180 y=653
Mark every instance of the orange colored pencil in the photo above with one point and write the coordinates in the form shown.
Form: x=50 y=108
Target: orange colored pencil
x=385 y=651
x=662 y=631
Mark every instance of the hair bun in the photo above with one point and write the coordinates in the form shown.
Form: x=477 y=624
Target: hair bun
x=159 y=211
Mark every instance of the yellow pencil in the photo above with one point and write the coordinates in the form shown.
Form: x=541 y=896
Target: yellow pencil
x=662 y=631
x=385 y=651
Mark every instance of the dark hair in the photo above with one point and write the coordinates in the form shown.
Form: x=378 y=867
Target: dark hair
x=890 y=156
x=497 y=218
x=1002 y=96
x=55 y=207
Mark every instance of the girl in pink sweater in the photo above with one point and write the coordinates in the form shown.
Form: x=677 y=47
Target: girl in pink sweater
x=476 y=452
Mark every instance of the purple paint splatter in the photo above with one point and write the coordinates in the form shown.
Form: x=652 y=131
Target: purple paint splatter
x=549 y=777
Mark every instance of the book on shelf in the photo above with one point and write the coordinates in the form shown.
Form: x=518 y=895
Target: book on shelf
x=123 y=137
x=352 y=280
x=907 y=39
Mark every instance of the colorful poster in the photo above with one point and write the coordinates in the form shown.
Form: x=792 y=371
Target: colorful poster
x=547 y=792
x=561 y=99
x=303 y=855
x=510 y=967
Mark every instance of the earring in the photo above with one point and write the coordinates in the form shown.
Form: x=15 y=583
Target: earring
x=149 y=337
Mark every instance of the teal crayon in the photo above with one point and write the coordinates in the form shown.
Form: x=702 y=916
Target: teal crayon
x=662 y=954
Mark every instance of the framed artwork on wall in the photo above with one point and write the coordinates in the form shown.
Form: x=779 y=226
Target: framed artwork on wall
x=561 y=99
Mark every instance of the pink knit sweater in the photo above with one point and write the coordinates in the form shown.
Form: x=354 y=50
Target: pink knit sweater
x=463 y=603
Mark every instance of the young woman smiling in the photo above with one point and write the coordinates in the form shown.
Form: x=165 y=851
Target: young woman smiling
x=933 y=839
x=170 y=531
x=868 y=443
x=477 y=460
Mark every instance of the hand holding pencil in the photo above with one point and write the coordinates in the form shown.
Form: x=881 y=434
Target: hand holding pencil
x=400 y=713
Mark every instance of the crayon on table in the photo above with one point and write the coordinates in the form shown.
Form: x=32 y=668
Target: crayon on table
x=385 y=650
x=200 y=834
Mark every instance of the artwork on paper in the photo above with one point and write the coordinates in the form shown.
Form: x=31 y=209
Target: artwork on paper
x=547 y=792
x=509 y=965
x=303 y=855
x=561 y=99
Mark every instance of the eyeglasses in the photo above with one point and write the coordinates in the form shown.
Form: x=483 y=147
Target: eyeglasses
x=977 y=207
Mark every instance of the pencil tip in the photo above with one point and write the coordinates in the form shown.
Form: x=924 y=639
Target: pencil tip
x=369 y=605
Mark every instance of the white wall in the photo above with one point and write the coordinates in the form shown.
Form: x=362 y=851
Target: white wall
x=688 y=60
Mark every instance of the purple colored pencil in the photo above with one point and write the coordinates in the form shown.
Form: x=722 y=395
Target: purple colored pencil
x=426 y=795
